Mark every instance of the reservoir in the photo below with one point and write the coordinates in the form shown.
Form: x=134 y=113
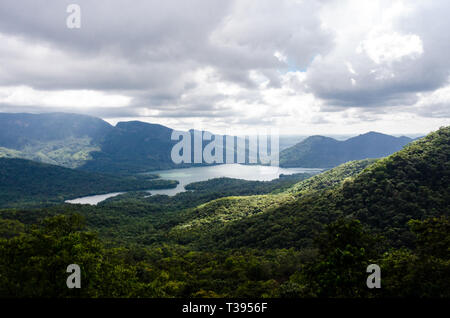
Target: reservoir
x=188 y=175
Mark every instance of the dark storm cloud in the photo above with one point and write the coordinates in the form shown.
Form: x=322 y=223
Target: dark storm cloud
x=184 y=33
x=154 y=47
x=156 y=52
x=138 y=29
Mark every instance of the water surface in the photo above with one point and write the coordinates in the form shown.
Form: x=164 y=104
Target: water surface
x=93 y=199
x=188 y=175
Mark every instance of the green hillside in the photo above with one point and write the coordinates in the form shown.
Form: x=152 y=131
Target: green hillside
x=70 y=152
x=199 y=224
x=330 y=178
x=24 y=182
x=133 y=147
x=314 y=239
x=55 y=138
x=411 y=184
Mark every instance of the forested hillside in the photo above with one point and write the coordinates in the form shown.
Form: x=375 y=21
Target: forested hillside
x=312 y=239
x=201 y=225
x=410 y=184
x=132 y=147
x=55 y=138
x=326 y=152
x=25 y=182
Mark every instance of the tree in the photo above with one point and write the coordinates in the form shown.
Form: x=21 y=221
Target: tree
x=345 y=251
x=34 y=263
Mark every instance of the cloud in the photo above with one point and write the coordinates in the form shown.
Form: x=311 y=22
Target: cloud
x=386 y=48
x=386 y=61
x=299 y=65
x=23 y=95
x=435 y=104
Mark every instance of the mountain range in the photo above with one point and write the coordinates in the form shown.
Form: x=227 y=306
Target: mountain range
x=326 y=152
x=92 y=144
x=228 y=239
x=384 y=194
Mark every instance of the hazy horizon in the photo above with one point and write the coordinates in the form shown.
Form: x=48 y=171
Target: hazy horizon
x=289 y=135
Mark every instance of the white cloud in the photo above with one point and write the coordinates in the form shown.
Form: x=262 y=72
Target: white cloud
x=391 y=47
x=27 y=96
x=381 y=58
x=350 y=68
x=303 y=66
x=435 y=104
x=280 y=56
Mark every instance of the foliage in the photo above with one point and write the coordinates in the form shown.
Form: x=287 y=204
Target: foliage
x=345 y=251
x=230 y=186
x=314 y=239
x=24 y=182
x=70 y=152
x=34 y=263
x=410 y=184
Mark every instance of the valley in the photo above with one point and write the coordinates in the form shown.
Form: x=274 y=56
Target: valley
x=229 y=237
x=187 y=176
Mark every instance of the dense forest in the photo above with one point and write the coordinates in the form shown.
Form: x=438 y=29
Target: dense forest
x=310 y=237
x=29 y=183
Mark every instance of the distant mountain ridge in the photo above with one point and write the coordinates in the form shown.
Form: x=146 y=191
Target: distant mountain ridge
x=19 y=129
x=92 y=144
x=55 y=138
x=85 y=142
x=384 y=194
x=132 y=147
x=89 y=143
x=326 y=152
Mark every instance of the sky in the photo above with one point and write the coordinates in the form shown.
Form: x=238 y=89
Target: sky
x=302 y=67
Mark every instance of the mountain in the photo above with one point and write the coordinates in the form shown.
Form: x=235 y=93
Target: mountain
x=91 y=144
x=55 y=138
x=18 y=130
x=25 y=182
x=314 y=239
x=133 y=146
x=85 y=142
x=215 y=216
x=326 y=152
x=413 y=183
